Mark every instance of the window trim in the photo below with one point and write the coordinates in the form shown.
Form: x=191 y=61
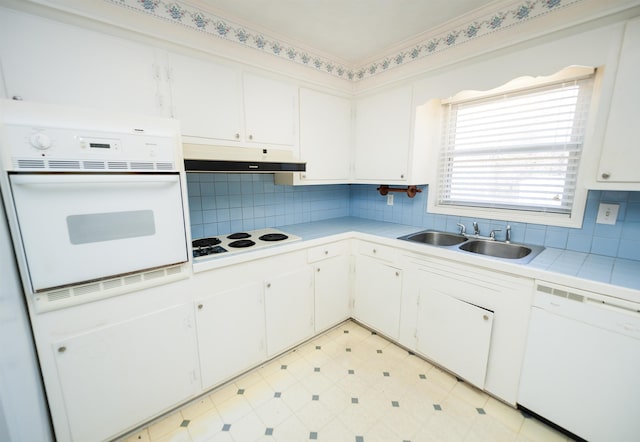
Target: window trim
x=573 y=219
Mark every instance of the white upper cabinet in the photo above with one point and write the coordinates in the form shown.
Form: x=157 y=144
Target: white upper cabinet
x=325 y=140
x=325 y=136
x=383 y=137
x=219 y=104
x=206 y=98
x=50 y=62
x=270 y=110
x=620 y=151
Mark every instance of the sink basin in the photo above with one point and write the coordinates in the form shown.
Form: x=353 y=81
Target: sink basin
x=435 y=238
x=508 y=252
x=501 y=250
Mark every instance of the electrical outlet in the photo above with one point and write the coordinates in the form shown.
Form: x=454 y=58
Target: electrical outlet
x=607 y=213
x=390 y=199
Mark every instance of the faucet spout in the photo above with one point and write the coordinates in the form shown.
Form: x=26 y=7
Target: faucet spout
x=507 y=237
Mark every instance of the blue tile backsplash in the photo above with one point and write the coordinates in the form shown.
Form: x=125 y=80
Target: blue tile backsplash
x=621 y=240
x=222 y=203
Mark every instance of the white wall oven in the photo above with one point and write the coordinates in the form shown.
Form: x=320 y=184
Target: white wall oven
x=95 y=202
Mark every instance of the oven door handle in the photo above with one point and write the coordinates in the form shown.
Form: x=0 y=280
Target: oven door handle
x=75 y=178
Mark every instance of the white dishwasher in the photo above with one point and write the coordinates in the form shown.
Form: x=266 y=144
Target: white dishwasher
x=582 y=363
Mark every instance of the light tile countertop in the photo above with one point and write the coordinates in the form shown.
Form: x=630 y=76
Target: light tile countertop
x=597 y=268
x=602 y=274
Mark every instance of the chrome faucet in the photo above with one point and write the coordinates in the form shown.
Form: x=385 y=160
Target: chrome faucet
x=507 y=237
x=463 y=229
x=492 y=234
x=476 y=229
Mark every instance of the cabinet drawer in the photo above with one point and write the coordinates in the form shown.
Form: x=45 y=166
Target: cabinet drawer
x=326 y=251
x=377 y=251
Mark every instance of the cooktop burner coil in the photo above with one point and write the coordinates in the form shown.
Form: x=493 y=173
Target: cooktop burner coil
x=205 y=242
x=273 y=237
x=239 y=235
x=241 y=243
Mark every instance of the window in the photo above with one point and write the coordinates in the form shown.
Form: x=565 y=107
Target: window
x=515 y=151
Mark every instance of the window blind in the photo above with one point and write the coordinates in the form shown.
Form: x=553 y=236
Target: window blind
x=517 y=150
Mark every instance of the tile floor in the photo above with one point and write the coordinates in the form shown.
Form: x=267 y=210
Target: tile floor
x=347 y=385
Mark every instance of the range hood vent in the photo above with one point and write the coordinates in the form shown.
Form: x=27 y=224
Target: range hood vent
x=206 y=158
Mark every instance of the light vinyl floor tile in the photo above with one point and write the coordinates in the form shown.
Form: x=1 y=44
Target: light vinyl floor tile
x=347 y=385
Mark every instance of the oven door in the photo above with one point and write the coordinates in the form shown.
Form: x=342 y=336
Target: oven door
x=81 y=227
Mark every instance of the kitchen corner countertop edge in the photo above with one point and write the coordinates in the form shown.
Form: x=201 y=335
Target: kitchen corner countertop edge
x=612 y=276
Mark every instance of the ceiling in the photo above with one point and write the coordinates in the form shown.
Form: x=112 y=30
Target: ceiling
x=352 y=30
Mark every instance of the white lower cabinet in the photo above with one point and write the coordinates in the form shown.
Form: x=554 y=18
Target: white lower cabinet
x=331 y=292
x=378 y=288
x=288 y=309
x=108 y=380
x=455 y=334
x=231 y=332
x=331 y=283
x=116 y=377
x=470 y=321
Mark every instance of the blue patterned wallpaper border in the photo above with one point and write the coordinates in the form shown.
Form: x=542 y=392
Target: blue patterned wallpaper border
x=181 y=13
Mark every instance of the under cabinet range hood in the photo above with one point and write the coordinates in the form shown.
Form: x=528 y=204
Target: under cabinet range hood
x=207 y=158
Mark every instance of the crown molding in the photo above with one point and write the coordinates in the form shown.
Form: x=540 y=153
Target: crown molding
x=474 y=26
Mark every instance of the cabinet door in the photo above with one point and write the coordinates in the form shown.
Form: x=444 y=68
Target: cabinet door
x=231 y=332
x=270 y=110
x=455 y=334
x=50 y=62
x=377 y=295
x=382 y=136
x=331 y=285
x=325 y=136
x=118 y=376
x=289 y=309
x=620 y=154
x=206 y=98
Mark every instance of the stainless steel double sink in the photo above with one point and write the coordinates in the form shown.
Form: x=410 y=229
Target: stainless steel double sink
x=518 y=253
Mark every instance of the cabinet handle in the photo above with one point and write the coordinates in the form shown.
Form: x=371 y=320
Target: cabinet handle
x=237 y=136
x=485 y=317
x=304 y=175
x=16 y=98
x=397 y=273
x=268 y=285
x=318 y=269
x=402 y=176
x=251 y=137
x=62 y=349
x=606 y=175
x=326 y=252
x=374 y=250
x=200 y=306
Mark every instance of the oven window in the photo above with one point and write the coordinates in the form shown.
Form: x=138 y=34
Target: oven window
x=98 y=227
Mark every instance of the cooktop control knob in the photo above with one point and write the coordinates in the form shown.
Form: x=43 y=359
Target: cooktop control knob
x=40 y=141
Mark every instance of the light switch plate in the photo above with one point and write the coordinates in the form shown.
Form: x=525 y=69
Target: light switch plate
x=390 y=199
x=607 y=213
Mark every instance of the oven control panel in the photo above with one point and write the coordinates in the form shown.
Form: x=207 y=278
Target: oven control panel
x=46 y=137
x=39 y=148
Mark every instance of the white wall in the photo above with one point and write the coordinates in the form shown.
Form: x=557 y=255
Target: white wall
x=597 y=47
x=23 y=409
